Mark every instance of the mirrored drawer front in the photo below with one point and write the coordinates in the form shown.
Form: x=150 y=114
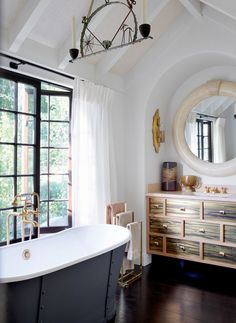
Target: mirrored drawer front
x=220 y=253
x=156 y=205
x=182 y=247
x=155 y=243
x=203 y=230
x=189 y=209
x=166 y=226
x=220 y=211
x=230 y=233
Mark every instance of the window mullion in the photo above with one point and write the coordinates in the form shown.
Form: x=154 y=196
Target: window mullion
x=202 y=138
x=49 y=118
x=15 y=156
x=198 y=139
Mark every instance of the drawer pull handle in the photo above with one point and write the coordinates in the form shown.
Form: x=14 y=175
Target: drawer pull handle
x=221 y=253
x=182 y=209
x=182 y=247
x=156 y=243
x=222 y=212
x=156 y=206
x=165 y=226
x=202 y=230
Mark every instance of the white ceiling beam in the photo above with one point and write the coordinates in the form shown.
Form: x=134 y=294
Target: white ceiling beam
x=212 y=107
x=220 y=19
x=227 y=7
x=193 y=7
x=111 y=58
x=25 y=22
x=228 y=102
x=64 y=57
x=181 y=26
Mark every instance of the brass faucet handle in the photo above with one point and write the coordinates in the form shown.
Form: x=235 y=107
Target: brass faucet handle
x=206 y=189
x=224 y=190
x=14 y=202
x=213 y=190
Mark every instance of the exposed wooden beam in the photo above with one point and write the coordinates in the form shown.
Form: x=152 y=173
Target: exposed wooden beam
x=193 y=7
x=25 y=22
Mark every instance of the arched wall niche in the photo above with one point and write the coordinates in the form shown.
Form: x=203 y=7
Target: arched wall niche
x=168 y=92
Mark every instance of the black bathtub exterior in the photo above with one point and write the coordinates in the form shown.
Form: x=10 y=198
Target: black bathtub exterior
x=82 y=293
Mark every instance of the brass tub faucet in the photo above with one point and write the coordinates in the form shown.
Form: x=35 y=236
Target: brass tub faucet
x=29 y=215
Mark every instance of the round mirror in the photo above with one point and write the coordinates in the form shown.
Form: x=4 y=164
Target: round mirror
x=210 y=129
x=205 y=127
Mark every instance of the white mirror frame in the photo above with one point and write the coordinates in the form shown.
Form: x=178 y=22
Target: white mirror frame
x=216 y=87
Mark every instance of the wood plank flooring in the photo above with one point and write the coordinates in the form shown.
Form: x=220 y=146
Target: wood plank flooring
x=174 y=291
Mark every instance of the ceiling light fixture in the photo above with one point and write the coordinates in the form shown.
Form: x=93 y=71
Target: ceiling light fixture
x=121 y=34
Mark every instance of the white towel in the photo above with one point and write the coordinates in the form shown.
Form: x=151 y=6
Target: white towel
x=126 y=265
x=135 y=241
x=113 y=209
x=124 y=218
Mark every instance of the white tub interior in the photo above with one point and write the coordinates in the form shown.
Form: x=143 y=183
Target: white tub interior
x=59 y=250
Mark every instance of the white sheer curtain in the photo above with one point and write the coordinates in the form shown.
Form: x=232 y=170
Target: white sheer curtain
x=90 y=152
x=219 y=141
x=191 y=133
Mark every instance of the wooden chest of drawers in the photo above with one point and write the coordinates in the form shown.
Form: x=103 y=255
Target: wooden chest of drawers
x=182 y=247
x=192 y=228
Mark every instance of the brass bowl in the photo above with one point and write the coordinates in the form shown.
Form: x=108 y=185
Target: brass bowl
x=189 y=183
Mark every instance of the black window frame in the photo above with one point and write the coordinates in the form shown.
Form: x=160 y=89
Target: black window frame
x=35 y=82
x=201 y=147
x=51 y=229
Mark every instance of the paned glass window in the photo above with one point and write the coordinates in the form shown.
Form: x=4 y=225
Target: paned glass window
x=34 y=150
x=204 y=139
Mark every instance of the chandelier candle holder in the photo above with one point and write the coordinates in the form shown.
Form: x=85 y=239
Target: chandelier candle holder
x=74 y=52
x=145 y=28
x=122 y=34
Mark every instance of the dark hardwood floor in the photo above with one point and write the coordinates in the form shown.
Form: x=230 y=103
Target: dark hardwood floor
x=174 y=291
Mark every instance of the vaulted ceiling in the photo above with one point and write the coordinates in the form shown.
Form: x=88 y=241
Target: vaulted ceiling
x=40 y=30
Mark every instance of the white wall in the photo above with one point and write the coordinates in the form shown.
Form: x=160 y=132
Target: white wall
x=164 y=77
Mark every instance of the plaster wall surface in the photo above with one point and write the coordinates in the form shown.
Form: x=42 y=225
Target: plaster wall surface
x=200 y=52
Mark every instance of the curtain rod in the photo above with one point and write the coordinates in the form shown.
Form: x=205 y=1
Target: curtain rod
x=37 y=66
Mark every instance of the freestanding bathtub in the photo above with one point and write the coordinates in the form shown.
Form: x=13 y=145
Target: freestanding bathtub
x=67 y=277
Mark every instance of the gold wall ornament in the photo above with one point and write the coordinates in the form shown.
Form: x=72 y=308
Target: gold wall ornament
x=158 y=135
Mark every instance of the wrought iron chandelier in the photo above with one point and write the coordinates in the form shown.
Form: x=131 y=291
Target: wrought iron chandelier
x=121 y=34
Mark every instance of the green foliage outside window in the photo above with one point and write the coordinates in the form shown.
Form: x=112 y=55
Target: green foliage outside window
x=7 y=94
x=53 y=158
